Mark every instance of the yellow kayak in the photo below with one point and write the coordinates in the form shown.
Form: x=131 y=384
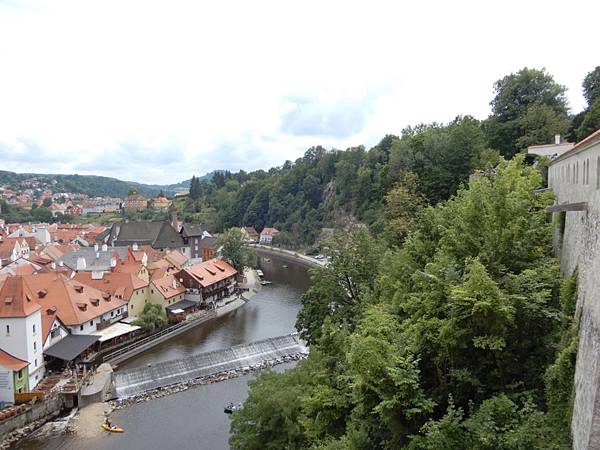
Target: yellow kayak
x=112 y=429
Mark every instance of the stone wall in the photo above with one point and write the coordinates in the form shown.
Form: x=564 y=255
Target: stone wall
x=45 y=409
x=575 y=178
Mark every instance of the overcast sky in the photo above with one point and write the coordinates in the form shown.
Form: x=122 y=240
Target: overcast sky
x=156 y=91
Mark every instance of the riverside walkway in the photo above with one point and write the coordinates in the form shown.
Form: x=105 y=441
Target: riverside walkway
x=289 y=255
x=132 y=382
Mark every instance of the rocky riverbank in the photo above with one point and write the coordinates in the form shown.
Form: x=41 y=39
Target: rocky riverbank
x=215 y=378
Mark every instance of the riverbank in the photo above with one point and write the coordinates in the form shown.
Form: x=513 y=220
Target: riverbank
x=186 y=418
x=224 y=307
x=288 y=255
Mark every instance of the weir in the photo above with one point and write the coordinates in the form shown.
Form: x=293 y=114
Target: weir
x=132 y=382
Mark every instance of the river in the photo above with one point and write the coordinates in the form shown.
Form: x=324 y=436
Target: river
x=194 y=419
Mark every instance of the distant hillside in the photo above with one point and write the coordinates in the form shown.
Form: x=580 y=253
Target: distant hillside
x=92 y=185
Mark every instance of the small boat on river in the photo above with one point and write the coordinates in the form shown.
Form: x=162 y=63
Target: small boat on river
x=230 y=408
x=266 y=283
x=260 y=273
x=112 y=429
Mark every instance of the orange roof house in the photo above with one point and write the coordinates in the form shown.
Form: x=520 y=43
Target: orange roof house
x=75 y=303
x=16 y=298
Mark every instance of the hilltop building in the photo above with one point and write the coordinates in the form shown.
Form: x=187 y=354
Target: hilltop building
x=135 y=203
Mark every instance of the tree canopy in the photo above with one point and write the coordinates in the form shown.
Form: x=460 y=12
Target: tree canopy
x=457 y=336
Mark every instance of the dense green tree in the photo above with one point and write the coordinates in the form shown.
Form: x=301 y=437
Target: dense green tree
x=194 y=188
x=235 y=250
x=153 y=316
x=590 y=122
x=442 y=343
x=339 y=290
x=591 y=86
x=47 y=202
x=527 y=105
x=403 y=205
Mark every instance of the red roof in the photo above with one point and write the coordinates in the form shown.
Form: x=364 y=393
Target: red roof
x=11 y=362
x=269 y=231
x=111 y=282
x=16 y=298
x=210 y=272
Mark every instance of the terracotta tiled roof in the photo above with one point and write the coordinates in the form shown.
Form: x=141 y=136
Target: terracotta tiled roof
x=16 y=298
x=48 y=318
x=177 y=258
x=7 y=245
x=168 y=286
x=210 y=272
x=269 y=231
x=75 y=302
x=111 y=282
x=11 y=362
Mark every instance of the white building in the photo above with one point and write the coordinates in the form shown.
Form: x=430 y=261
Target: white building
x=21 y=326
x=551 y=150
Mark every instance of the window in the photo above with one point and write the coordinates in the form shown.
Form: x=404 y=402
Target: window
x=34 y=328
x=112 y=314
x=55 y=332
x=7 y=329
x=35 y=362
x=91 y=323
x=80 y=327
x=34 y=346
x=20 y=374
x=152 y=291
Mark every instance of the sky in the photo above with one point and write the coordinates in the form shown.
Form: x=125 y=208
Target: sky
x=155 y=91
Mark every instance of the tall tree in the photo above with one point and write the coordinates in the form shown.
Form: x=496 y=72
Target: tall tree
x=235 y=250
x=515 y=95
x=591 y=86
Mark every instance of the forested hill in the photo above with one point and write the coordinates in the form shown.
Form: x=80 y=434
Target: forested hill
x=427 y=163
x=326 y=188
x=92 y=185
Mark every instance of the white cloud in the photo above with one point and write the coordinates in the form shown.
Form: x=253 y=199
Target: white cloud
x=155 y=91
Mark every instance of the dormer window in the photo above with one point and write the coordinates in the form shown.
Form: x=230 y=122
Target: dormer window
x=82 y=306
x=42 y=293
x=78 y=288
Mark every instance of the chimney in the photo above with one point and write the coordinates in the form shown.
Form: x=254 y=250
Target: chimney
x=113 y=262
x=104 y=247
x=81 y=263
x=95 y=247
x=557 y=139
x=174 y=283
x=135 y=247
x=53 y=265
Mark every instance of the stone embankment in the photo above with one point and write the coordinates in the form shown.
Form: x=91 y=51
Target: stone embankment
x=214 y=378
x=288 y=255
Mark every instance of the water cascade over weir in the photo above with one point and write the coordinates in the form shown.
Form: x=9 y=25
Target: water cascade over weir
x=132 y=382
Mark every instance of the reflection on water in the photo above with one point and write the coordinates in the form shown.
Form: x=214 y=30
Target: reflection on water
x=194 y=419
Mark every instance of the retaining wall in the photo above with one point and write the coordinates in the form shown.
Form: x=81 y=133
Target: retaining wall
x=575 y=177
x=288 y=255
x=46 y=408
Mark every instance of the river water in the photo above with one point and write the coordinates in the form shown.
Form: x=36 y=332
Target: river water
x=194 y=419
